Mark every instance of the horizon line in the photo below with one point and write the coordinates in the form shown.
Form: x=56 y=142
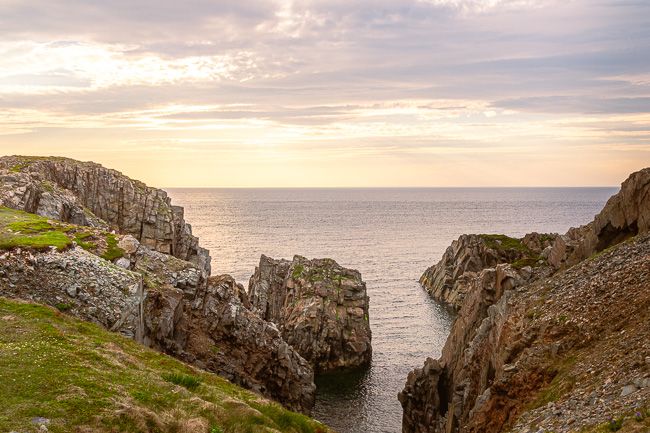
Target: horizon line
x=392 y=187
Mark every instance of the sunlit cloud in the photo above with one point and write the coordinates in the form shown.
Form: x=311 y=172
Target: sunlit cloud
x=419 y=92
x=29 y=67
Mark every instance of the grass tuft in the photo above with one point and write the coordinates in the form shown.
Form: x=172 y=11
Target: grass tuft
x=185 y=380
x=112 y=250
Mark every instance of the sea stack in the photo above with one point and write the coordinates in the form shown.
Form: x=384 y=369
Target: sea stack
x=320 y=307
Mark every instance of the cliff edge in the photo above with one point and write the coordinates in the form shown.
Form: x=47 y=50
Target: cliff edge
x=113 y=251
x=559 y=347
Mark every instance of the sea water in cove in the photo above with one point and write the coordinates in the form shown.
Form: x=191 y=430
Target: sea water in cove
x=391 y=236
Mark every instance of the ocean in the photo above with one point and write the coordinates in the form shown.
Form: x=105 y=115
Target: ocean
x=391 y=235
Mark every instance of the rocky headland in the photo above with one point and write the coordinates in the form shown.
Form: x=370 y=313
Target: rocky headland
x=551 y=333
x=107 y=249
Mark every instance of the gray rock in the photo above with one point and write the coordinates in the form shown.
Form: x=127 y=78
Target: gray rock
x=71 y=291
x=627 y=390
x=320 y=308
x=39 y=420
x=85 y=193
x=123 y=263
x=213 y=328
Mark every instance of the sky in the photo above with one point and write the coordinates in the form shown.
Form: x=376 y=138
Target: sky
x=340 y=93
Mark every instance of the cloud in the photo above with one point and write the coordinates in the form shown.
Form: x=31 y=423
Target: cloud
x=375 y=77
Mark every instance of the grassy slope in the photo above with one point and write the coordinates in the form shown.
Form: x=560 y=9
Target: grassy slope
x=26 y=230
x=22 y=229
x=85 y=379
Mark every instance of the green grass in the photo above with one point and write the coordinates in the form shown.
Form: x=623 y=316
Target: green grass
x=112 y=250
x=506 y=243
x=26 y=230
x=185 y=380
x=22 y=229
x=83 y=378
x=297 y=271
x=525 y=261
x=503 y=242
x=80 y=239
x=17 y=168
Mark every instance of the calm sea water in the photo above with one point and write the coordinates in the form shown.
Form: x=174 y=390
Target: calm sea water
x=391 y=236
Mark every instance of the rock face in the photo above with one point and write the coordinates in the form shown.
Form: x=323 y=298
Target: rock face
x=79 y=283
x=449 y=280
x=153 y=281
x=85 y=193
x=530 y=349
x=435 y=397
x=320 y=308
x=625 y=215
x=212 y=329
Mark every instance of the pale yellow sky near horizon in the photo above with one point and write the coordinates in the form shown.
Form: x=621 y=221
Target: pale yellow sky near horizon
x=315 y=93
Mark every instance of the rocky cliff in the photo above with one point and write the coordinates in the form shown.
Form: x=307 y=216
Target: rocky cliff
x=541 y=352
x=625 y=215
x=87 y=194
x=215 y=331
x=449 y=280
x=321 y=309
x=139 y=272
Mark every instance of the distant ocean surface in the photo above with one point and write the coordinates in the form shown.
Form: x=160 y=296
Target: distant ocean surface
x=391 y=236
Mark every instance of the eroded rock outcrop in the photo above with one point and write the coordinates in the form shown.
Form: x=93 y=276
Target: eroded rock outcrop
x=540 y=351
x=85 y=193
x=437 y=396
x=126 y=259
x=321 y=309
x=625 y=215
x=451 y=278
x=212 y=329
x=77 y=282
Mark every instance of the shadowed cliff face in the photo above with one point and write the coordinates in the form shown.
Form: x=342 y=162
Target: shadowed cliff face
x=625 y=215
x=320 y=308
x=529 y=350
x=85 y=193
x=210 y=327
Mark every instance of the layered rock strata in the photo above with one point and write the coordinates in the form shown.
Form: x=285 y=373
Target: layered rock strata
x=320 y=307
x=449 y=280
x=85 y=193
x=532 y=351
